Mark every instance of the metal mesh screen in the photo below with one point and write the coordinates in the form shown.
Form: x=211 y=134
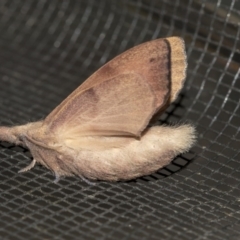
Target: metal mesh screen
x=47 y=48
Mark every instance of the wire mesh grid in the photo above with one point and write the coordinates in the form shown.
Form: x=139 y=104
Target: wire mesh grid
x=47 y=48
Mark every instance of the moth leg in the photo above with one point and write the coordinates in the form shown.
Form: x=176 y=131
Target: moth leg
x=28 y=167
x=57 y=178
x=87 y=181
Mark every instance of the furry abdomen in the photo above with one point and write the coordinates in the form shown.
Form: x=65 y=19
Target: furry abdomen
x=156 y=148
x=111 y=158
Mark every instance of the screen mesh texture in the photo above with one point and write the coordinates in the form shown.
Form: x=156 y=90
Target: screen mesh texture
x=48 y=48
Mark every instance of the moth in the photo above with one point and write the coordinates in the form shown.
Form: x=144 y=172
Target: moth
x=103 y=130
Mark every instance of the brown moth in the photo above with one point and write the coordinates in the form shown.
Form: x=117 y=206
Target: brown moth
x=101 y=130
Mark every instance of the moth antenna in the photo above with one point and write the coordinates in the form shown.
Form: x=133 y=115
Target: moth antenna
x=16 y=134
x=10 y=134
x=28 y=167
